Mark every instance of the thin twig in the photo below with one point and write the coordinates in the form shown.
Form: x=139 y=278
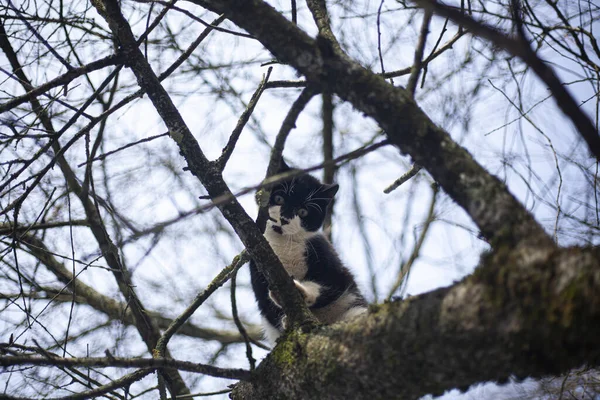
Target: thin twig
x=40 y=37
x=554 y=153
x=418 y=62
x=6 y=45
x=237 y=131
x=102 y=390
x=447 y=46
x=294 y=12
x=379 y=40
x=361 y=151
x=329 y=170
x=122 y=362
x=62 y=80
x=216 y=283
x=414 y=169
x=114 y=309
x=5 y=229
x=523 y=50
x=362 y=229
x=205 y=394
x=195 y=18
x=108 y=153
x=406 y=267
x=238 y=323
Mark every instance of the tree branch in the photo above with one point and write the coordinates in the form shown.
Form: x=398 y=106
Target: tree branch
x=155 y=363
x=501 y=218
x=216 y=283
x=114 y=309
x=516 y=316
x=146 y=326
x=237 y=131
x=99 y=391
x=522 y=49
x=62 y=80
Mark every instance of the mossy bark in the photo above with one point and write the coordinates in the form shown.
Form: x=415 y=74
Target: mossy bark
x=514 y=317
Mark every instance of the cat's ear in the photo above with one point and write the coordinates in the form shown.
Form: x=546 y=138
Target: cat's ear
x=328 y=191
x=283 y=167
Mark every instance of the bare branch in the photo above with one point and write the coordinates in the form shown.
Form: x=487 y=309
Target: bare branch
x=414 y=170
x=62 y=80
x=415 y=70
x=154 y=363
x=500 y=322
x=237 y=131
x=522 y=50
x=405 y=268
x=99 y=391
x=216 y=283
x=239 y=324
x=470 y=185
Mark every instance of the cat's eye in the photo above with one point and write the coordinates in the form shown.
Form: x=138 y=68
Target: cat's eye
x=278 y=199
x=303 y=212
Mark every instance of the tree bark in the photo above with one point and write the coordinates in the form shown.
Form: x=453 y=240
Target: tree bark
x=510 y=318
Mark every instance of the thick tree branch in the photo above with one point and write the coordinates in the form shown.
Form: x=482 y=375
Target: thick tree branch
x=518 y=315
x=498 y=214
x=485 y=328
x=318 y=9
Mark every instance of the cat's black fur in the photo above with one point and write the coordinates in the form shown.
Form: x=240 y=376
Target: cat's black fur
x=297 y=210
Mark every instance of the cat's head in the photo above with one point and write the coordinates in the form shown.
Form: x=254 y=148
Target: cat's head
x=299 y=204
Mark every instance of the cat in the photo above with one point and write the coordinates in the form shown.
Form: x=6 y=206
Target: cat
x=297 y=209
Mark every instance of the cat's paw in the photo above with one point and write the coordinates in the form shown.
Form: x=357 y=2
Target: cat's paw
x=309 y=290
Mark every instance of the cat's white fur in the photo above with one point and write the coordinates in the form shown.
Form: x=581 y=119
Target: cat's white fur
x=270 y=332
x=290 y=245
x=339 y=310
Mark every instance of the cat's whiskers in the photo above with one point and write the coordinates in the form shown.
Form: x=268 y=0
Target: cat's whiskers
x=321 y=198
x=291 y=186
x=283 y=189
x=312 y=193
x=315 y=206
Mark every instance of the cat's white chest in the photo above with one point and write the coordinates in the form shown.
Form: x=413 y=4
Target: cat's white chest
x=291 y=253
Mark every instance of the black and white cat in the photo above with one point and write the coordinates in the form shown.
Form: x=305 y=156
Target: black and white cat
x=297 y=210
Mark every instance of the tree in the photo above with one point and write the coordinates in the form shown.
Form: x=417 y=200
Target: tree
x=79 y=208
